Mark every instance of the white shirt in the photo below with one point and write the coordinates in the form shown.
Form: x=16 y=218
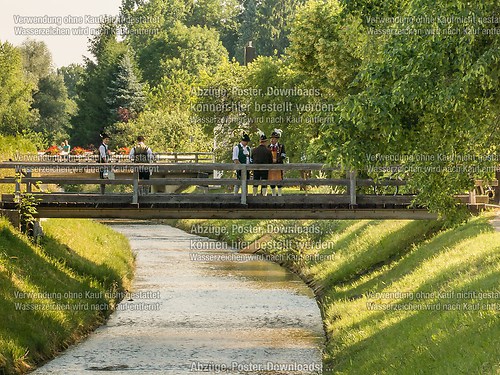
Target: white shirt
x=236 y=152
x=103 y=152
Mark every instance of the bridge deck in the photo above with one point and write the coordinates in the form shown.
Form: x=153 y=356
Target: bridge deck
x=352 y=200
x=169 y=206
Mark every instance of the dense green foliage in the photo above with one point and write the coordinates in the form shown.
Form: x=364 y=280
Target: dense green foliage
x=358 y=84
x=15 y=92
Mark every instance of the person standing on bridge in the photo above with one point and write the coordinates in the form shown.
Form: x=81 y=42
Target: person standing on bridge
x=261 y=155
x=142 y=154
x=103 y=157
x=241 y=155
x=278 y=156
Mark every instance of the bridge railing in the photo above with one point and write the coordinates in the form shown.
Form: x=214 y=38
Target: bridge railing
x=192 y=174
x=89 y=157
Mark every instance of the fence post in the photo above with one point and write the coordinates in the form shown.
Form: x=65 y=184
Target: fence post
x=244 y=186
x=29 y=174
x=135 y=197
x=472 y=196
x=17 y=191
x=352 y=187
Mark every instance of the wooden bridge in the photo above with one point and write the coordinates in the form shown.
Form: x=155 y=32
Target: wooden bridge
x=321 y=198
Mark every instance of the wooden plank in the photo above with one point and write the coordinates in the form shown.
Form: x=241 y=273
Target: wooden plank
x=190 y=181
x=190 y=199
x=237 y=213
x=79 y=179
x=77 y=198
x=70 y=181
x=295 y=199
x=386 y=199
x=42 y=167
x=465 y=198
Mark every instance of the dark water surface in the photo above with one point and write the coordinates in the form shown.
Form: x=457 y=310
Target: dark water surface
x=199 y=316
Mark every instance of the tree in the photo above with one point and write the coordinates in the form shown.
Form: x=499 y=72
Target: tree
x=189 y=48
x=220 y=15
x=37 y=59
x=125 y=93
x=15 y=92
x=427 y=97
x=73 y=76
x=169 y=131
x=217 y=106
x=267 y=24
x=94 y=113
x=50 y=96
x=54 y=108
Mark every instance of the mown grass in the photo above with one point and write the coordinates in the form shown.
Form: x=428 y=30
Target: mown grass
x=77 y=275
x=390 y=291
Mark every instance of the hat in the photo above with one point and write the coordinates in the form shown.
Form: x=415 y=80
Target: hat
x=276 y=133
x=104 y=135
x=261 y=135
x=245 y=137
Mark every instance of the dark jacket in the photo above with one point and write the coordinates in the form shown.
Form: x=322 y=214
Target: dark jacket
x=262 y=155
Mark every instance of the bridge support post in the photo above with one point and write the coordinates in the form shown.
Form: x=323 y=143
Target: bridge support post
x=244 y=184
x=135 y=196
x=352 y=188
x=497 y=188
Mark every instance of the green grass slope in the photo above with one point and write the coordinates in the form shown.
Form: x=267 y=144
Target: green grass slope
x=397 y=297
x=53 y=294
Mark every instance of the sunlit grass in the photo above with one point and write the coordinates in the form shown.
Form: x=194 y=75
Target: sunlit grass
x=75 y=257
x=437 y=331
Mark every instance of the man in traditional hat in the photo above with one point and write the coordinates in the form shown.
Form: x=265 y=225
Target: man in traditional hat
x=278 y=156
x=104 y=156
x=241 y=155
x=261 y=155
x=142 y=154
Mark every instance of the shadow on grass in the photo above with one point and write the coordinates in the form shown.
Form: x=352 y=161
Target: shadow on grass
x=63 y=276
x=434 y=342
x=391 y=248
x=345 y=240
x=410 y=260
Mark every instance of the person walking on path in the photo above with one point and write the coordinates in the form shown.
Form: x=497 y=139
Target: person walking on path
x=261 y=155
x=278 y=156
x=142 y=154
x=241 y=155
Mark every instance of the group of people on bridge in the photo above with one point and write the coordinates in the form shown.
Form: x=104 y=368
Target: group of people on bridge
x=266 y=152
x=140 y=153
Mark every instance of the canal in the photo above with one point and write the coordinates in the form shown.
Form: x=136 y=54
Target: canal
x=197 y=307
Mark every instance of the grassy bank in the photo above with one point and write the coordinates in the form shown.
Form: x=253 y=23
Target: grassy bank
x=55 y=293
x=397 y=297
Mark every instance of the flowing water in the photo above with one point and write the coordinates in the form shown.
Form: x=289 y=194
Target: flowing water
x=199 y=311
